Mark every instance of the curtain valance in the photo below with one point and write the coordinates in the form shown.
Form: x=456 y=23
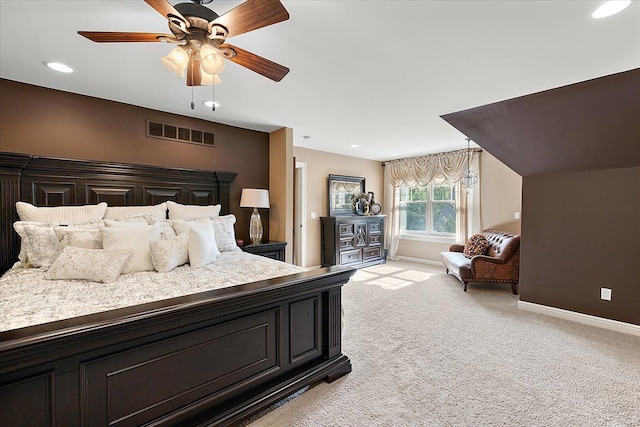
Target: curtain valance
x=419 y=171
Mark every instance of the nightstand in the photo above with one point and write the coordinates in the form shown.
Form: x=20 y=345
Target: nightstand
x=267 y=249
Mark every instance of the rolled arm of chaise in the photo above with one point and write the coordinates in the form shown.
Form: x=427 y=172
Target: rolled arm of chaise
x=456 y=248
x=486 y=268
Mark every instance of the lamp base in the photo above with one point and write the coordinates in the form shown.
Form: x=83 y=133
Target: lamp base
x=255 y=228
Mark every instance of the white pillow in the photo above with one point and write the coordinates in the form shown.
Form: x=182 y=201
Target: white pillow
x=61 y=214
x=170 y=253
x=225 y=233
x=178 y=211
x=184 y=226
x=96 y=265
x=202 y=247
x=43 y=247
x=159 y=211
x=136 y=239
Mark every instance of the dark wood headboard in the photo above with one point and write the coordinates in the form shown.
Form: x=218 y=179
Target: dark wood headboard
x=44 y=181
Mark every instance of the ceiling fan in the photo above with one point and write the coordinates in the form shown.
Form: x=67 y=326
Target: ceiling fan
x=200 y=34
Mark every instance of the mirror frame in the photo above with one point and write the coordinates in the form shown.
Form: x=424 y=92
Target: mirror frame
x=333 y=210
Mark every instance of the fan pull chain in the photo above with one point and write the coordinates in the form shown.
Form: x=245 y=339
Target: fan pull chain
x=191 y=71
x=213 y=94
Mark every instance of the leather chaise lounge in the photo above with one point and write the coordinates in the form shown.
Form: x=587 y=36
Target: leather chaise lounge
x=499 y=263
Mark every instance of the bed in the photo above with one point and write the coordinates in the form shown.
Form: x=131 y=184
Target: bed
x=198 y=357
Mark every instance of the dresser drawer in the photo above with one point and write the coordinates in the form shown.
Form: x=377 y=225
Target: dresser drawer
x=346 y=243
x=346 y=229
x=375 y=227
x=350 y=257
x=375 y=240
x=371 y=253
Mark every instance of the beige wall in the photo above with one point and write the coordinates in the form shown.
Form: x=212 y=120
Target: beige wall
x=501 y=195
x=319 y=165
x=500 y=198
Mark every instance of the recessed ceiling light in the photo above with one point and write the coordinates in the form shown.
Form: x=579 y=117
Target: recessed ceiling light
x=211 y=104
x=354 y=146
x=58 y=67
x=610 y=8
x=394 y=154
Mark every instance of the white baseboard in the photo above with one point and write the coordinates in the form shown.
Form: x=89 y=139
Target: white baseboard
x=419 y=260
x=601 y=322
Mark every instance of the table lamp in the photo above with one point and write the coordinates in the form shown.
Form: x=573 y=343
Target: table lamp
x=255 y=198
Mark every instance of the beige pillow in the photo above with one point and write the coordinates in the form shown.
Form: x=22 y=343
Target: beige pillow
x=61 y=214
x=168 y=254
x=178 y=211
x=96 y=265
x=158 y=212
x=135 y=238
x=225 y=232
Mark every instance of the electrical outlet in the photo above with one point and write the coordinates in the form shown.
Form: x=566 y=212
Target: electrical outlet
x=605 y=294
x=516 y=215
x=313 y=215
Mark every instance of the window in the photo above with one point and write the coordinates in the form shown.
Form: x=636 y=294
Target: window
x=428 y=210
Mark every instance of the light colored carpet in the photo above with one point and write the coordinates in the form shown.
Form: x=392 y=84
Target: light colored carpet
x=424 y=353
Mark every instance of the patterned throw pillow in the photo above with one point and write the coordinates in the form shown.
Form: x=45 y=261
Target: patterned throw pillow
x=43 y=248
x=476 y=245
x=168 y=254
x=225 y=233
x=96 y=265
x=158 y=212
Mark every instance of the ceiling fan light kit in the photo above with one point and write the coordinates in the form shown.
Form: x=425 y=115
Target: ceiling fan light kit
x=201 y=34
x=176 y=61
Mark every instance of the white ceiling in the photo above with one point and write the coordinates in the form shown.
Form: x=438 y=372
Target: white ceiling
x=373 y=73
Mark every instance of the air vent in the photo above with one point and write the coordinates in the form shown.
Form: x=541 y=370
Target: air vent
x=179 y=134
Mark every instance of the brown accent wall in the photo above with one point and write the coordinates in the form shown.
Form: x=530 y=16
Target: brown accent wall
x=46 y=122
x=581 y=232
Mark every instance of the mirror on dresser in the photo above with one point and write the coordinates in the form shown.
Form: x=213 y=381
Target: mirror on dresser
x=341 y=190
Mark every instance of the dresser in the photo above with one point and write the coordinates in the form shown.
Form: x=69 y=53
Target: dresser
x=353 y=240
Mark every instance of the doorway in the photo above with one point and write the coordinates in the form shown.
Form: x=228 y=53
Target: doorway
x=300 y=223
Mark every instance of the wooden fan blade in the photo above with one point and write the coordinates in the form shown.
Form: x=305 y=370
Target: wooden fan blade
x=260 y=65
x=166 y=9
x=114 y=37
x=251 y=15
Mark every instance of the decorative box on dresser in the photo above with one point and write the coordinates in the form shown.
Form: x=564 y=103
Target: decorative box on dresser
x=353 y=240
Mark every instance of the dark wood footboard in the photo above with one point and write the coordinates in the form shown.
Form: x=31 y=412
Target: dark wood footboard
x=205 y=359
